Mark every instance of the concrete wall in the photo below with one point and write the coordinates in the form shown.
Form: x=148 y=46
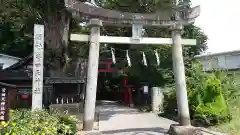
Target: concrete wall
x=226 y=60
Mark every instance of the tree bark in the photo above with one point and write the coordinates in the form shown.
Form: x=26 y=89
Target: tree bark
x=56 y=39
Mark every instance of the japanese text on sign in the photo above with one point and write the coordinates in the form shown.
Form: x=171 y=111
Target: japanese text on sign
x=37 y=83
x=38 y=59
x=3 y=104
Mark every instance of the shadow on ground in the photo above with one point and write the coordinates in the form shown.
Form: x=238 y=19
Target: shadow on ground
x=170 y=116
x=173 y=116
x=137 y=131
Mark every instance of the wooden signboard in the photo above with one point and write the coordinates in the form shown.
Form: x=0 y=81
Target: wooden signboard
x=3 y=103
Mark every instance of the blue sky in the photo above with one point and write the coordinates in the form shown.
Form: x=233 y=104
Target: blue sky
x=220 y=21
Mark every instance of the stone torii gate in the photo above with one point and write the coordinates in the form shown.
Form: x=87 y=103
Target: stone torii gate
x=98 y=17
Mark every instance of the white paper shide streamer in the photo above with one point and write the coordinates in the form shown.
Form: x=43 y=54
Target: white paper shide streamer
x=113 y=55
x=62 y=101
x=57 y=101
x=144 y=59
x=128 y=59
x=157 y=57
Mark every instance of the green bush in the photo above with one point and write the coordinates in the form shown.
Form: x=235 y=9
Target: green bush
x=170 y=102
x=40 y=122
x=229 y=84
x=206 y=96
x=212 y=107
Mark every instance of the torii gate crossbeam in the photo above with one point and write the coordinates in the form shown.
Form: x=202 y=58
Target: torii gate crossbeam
x=129 y=40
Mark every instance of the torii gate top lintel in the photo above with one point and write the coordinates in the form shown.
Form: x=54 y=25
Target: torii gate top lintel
x=85 y=12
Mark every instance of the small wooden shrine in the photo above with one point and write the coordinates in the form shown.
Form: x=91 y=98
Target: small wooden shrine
x=56 y=90
x=18 y=78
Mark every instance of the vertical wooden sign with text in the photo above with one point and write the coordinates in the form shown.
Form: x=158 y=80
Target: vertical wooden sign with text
x=3 y=103
x=37 y=84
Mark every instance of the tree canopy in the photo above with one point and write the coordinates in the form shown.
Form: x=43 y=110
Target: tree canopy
x=16 y=34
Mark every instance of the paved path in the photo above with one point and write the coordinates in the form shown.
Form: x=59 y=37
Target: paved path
x=115 y=119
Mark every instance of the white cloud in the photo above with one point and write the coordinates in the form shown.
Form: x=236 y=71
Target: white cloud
x=220 y=20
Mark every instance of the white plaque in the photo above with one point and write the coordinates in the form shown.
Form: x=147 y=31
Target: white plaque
x=38 y=50
x=137 y=31
x=145 y=89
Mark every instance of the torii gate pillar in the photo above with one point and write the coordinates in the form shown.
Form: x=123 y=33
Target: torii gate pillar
x=92 y=75
x=179 y=74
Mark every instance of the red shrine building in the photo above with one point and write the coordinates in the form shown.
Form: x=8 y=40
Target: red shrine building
x=125 y=93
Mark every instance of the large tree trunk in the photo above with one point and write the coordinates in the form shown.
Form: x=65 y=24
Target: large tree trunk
x=81 y=68
x=56 y=39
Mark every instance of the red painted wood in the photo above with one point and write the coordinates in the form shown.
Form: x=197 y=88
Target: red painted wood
x=25 y=96
x=130 y=95
x=125 y=96
x=108 y=69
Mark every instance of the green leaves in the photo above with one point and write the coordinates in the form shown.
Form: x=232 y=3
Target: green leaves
x=208 y=95
x=18 y=17
x=40 y=122
x=153 y=73
x=16 y=27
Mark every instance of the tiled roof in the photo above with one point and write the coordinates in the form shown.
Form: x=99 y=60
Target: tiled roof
x=22 y=62
x=15 y=75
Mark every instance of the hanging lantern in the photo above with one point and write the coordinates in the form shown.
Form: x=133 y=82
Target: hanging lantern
x=25 y=96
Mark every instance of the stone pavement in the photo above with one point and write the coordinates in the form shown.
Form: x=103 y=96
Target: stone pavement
x=115 y=119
